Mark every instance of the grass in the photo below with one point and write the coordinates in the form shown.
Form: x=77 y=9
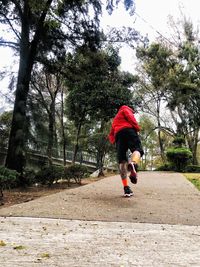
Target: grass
x=194 y=178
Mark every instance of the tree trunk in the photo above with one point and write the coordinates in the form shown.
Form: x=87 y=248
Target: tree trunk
x=16 y=147
x=100 y=164
x=62 y=129
x=161 y=146
x=76 y=144
x=51 y=132
x=162 y=154
x=193 y=143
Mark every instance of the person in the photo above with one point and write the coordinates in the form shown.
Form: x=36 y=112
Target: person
x=124 y=133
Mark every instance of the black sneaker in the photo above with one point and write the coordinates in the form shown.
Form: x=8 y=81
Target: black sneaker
x=127 y=191
x=132 y=167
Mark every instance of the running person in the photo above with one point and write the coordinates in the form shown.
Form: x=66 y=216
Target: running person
x=124 y=133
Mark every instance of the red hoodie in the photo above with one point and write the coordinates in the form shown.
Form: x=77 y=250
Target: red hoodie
x=124 y=119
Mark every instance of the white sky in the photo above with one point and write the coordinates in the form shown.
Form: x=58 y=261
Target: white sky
x=151 y=16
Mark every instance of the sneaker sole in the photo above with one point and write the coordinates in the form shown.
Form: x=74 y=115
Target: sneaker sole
x=133 y=179
x=133 y=175
x=128 y=195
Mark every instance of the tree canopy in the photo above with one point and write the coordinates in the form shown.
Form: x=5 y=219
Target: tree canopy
x=43 y=31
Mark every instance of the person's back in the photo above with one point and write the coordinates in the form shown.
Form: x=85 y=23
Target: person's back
x=124 y=133
x=123 y=119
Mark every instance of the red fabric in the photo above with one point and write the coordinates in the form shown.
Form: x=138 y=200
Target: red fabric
x=124 y=119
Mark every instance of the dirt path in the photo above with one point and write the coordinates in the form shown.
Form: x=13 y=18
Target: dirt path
x=159 y=198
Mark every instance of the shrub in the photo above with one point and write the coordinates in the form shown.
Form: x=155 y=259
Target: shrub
x=165 y=167
x=76 y=172
x=48 y=175
x=192 y=168
x=179 y=157
x=29 y=176
x=8 y=179
x=179 y=141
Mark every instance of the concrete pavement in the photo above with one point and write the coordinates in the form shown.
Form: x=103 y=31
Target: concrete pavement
x=95 y=226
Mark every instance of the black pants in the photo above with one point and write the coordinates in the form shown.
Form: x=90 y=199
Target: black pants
x=127 y=139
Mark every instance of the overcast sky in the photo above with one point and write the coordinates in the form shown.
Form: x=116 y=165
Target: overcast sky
x=151 y=18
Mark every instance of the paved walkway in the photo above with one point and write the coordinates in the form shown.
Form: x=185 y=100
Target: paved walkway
x=95 y=226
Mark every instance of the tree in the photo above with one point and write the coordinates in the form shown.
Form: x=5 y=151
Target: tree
x=172 y=80
x=98 y=144
x=26 y=14
x=38 y=27
x=156 y=62
x=179 y=155
x=5 y=125
x=149 y=140
x=96 y=87
x=48 y=86
x=184 y=89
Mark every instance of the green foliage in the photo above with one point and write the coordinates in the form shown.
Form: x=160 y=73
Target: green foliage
x=8 y=178
x=76 y=172
x=38 y=23
x=93 y=80
x=196 y=182
x=179 y=157
x=179 y=141
x=192 y=168
x=29 y=176
x=165 y=167
x=5 y=124
x=48 y=175
x=156 y=63
x=148 y=138
x=193 y=178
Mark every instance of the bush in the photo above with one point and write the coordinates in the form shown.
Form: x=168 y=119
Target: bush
x=76 y=172
x=165 y=167
x=192 y=168
x=48 y=175
x=179 y=141
x=8 y=179
x=179 y=157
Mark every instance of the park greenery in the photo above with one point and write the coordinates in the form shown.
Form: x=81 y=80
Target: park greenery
x=69 y=85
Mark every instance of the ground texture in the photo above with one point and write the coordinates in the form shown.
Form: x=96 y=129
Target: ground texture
x=93 y=225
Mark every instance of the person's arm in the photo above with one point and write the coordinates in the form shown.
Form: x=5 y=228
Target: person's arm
x=131 y=119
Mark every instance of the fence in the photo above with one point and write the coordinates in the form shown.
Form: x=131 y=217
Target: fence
x=36 y=159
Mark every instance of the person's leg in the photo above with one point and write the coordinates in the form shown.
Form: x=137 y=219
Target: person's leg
x=122 y=160
x=136 y=148
x=133 y=166
x=135 y=157
x=123 y=172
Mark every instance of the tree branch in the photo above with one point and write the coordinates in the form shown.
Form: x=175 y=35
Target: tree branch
x=9 y=44
x=41 y=95
x=11 y=26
